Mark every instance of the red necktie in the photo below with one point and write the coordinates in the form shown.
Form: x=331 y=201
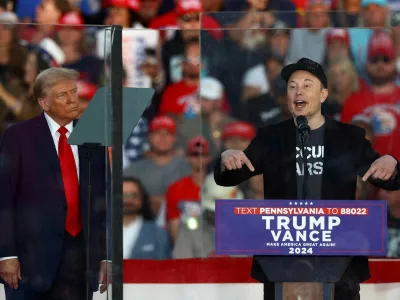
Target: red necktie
x=71 y=184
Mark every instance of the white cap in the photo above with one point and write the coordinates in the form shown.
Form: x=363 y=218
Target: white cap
x=212 y=192
x=211 y=88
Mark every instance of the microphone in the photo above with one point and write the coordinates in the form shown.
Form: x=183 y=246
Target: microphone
x=302 y=125
x=304 y=130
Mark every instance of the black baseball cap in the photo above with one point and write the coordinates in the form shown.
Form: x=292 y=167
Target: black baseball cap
x=307 y=65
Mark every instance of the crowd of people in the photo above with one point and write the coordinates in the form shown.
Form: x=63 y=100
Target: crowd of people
x=214 y=88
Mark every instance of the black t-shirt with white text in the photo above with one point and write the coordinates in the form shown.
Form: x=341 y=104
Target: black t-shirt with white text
x=314 y=148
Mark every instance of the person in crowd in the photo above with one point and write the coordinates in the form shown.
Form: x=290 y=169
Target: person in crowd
x=246 y=38
x=148 y=11
x=183 y=196
x=338 y=46
x=70 y=36
x=180 y=99
x=379 y=101
x=374 y=16
x=12 y=60
x=161 y=167
x=278 y=39
x=40 y=57
x=174 y=51
x=48 y=13
x=310 y=42
x=252 y=20
x=343 y=82
x=197 y=237
x=211 y=118
x=143 y=238
x=86 y=91
x=256 y=81
x=334 y=171
x=393 y=222
x=122 y=12
x=347 y=14
x=44 y=182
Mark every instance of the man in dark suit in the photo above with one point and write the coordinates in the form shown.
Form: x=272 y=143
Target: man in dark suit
x=43 y=203
x=336 y=153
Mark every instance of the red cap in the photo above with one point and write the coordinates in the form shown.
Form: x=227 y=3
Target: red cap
x=131 y=4
x=239 y=129
x=163 y=122
x=338 y=34
x=198 y=145
x=184 y=7
x=381 y=43
x=86 y=90
x=73 y=19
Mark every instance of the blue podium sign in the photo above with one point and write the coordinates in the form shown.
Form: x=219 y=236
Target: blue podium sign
x=282 y=227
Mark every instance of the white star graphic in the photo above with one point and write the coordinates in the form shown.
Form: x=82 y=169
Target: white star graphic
x=311 y=203
x=295 y=203
x=290 y=203
x=306 y=203
x=301 y=203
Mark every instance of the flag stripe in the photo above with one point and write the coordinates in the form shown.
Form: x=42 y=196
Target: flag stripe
x=225 y=270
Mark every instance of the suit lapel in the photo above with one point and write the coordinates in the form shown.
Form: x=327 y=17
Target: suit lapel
x=46 y=150
x=83 y=170
x=335 y=151
x=288 y=150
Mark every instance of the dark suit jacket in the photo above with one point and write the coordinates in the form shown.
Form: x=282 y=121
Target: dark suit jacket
x=33 y=205
x=273 y=153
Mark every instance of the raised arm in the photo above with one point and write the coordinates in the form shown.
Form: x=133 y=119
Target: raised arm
x=234 y=166
x=382 y=171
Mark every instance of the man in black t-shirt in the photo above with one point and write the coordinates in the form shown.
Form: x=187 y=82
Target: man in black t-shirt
x=336 y=154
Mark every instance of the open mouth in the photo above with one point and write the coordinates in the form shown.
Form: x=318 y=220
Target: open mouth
x=300 y=103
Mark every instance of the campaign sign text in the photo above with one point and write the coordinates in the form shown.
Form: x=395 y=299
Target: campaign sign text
x=282 y=227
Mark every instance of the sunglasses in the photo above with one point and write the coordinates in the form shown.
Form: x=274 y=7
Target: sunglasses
x=188 y=18
x=381 y=58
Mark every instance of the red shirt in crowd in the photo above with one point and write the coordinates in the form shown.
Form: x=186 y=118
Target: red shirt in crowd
x=383 y=111
x=179 y=192
x=178 y=98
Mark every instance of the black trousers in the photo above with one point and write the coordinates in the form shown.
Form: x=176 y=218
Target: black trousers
x=69 y=282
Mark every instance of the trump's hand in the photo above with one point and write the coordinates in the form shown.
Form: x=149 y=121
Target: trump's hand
x=383 y=168
x=105 y=275
x=10 y=271
x=234 y=159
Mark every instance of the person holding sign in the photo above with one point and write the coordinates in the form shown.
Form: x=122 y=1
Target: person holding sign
x=335 y=154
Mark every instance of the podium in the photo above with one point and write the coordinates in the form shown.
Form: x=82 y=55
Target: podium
x=302 y=247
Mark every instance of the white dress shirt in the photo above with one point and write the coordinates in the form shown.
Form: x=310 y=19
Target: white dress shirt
x=54 y=126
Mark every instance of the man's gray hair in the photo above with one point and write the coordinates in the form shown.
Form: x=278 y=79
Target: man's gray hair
x=50 y=77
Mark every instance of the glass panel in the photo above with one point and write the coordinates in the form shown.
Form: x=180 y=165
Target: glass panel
x=53 y=203
x=159 y=190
